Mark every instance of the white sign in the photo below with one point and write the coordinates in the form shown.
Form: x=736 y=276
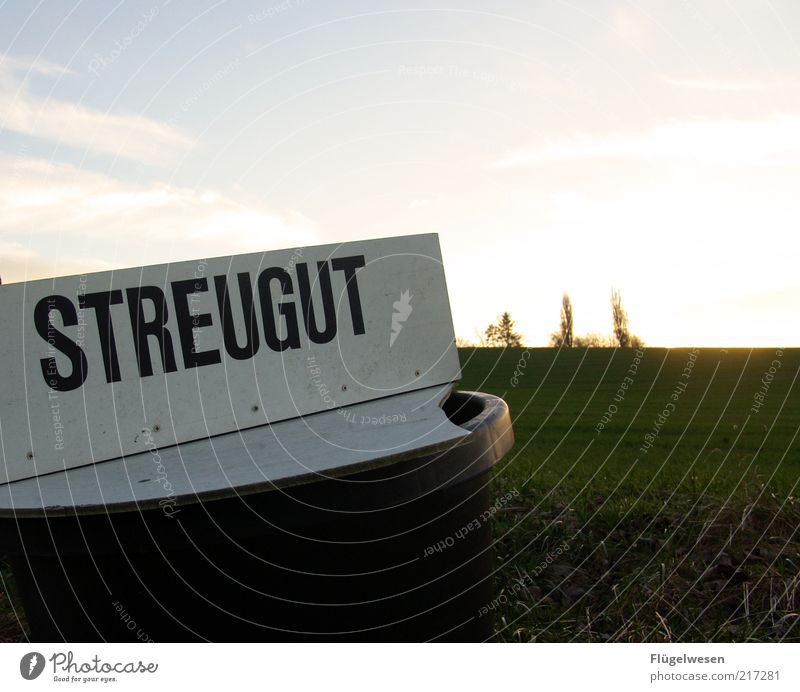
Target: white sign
x=103 y=365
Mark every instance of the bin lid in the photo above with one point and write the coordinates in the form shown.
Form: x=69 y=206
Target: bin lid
x=333 y=443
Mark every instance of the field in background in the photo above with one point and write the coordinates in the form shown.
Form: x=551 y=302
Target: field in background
x=693 y=538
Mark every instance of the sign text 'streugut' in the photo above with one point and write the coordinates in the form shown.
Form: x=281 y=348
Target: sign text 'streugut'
x=266 y=309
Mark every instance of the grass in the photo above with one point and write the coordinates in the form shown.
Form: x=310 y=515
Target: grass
x=692 y=539
x=11 y=628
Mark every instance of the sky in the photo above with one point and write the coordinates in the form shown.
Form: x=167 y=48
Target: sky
x=651 y=146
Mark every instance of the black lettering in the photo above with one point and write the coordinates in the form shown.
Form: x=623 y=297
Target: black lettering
x=306 y=301
x=349 y=265
x=248 y=313
x=142 y=329
x=287 y=310
x=192 y=358
x=101 y=303
x=45 y=328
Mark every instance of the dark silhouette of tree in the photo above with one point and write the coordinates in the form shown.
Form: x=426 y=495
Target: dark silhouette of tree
x=621 y=331
x=564 y=337
x=635 y=342
x=566 y=321
x=620 y=318
x=593 y=340
x=502 y=333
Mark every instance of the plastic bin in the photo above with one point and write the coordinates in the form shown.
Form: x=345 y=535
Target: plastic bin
x=373 y=555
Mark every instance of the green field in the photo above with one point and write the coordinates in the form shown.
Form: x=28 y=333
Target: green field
x=690 y=538
x=693 y=538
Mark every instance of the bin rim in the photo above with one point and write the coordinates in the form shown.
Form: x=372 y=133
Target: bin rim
x=487 y=434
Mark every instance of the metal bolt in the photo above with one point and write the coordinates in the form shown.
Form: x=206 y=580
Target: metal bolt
x=156 y=427
x=344 y=387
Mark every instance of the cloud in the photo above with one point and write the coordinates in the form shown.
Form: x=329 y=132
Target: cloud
x=19 y=262
x=775 y=140
x=128 y=136
x=79 y=221
x=40 y=66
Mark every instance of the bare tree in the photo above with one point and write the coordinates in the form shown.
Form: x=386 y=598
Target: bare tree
x=635 y=342
x=566 y=321
x=502 y=333
x=564 y=337
x=594 y=340
x=620 y=317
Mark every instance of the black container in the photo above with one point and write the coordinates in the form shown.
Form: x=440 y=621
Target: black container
x=377 y=556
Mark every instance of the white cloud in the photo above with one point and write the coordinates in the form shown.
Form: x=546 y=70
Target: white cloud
x=10 y=64
x=775 y=140
x=79 y=220
x=129 y=136
x=19 y=262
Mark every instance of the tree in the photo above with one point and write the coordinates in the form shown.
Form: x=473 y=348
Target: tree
x=636 y=342
x=620 y=318
x=502 y=333
x=593 y=340
x=564 y=337
x=566 y=321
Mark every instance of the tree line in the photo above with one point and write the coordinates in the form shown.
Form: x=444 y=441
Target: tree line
x=503 y=332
